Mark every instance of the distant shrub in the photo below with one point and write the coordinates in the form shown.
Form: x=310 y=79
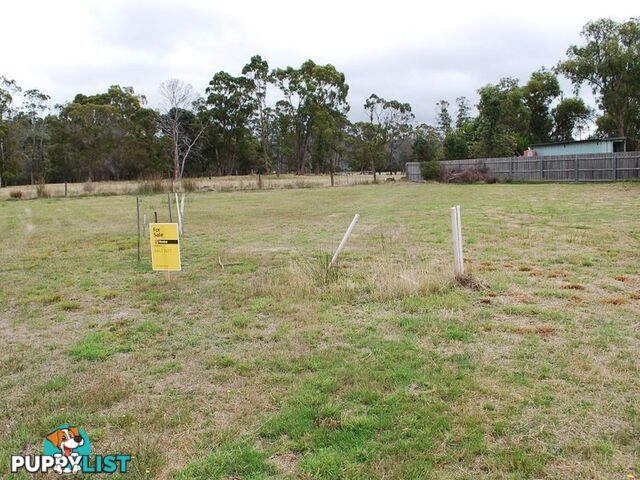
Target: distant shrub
x=152 y=185
x=42 y=191
x=430 y=170
x=17 y=194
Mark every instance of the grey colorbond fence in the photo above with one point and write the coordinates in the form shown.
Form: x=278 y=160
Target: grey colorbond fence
x=412 y=169
x=597 y=167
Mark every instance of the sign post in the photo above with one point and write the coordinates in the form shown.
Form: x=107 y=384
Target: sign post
x=165 y=247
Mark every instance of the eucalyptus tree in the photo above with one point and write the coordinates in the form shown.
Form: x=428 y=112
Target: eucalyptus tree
x=539 y=92
x=427 y=146
x=392 y=121
x=463 y=115
x=110 y=135
x=569 y=115
x=444 y=117
x=503 y=120
x=33 y=109
x=309 y=93
x=427 y=149
x=228 y=110
x=609 y=62
x=368 y=146
x=8 y=88
x=257 y=71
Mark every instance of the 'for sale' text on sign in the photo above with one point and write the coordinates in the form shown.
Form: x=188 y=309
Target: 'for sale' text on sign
x=165 y=247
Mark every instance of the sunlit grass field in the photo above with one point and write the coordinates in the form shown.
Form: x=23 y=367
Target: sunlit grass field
x=273 y=367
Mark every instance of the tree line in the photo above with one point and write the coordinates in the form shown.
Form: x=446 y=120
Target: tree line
x=296 y=120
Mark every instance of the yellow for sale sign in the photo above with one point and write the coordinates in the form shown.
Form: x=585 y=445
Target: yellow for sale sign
x=165 y=247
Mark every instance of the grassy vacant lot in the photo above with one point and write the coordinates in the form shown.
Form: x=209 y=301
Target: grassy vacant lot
x=272 y=368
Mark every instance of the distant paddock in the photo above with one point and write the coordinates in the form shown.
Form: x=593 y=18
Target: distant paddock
x=209 y=184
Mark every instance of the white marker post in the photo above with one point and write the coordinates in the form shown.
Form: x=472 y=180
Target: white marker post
x=344 y=241
x=184 y=197
x=179 y=214
x=460 y=239
x=456 y=233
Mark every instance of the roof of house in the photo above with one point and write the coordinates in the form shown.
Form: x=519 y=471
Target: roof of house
x=591 y=140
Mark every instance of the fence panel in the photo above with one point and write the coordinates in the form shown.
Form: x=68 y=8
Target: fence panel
x=596 y=167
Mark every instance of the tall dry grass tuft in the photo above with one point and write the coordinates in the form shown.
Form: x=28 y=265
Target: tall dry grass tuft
x=374 y=280
x=188 y=185
x=303 y=277
x=152 y=185
x=394 y=280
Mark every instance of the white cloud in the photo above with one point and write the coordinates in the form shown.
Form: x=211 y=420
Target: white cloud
x=413 y=51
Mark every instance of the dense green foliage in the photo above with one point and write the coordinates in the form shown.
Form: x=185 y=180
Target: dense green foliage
x=295 y=120
x=609 y=63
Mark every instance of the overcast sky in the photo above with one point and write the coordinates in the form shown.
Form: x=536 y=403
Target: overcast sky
x=417 y=52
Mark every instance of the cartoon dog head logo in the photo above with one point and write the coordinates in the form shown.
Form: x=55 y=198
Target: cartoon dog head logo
x=68 y=441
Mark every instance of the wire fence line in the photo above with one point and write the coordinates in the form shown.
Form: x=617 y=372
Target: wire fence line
x=597 y=167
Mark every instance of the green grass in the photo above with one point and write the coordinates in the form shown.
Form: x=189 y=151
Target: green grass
x=385 y=367
x=95 y=346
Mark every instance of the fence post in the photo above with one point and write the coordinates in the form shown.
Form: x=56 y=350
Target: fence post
x=615 y=167
x=456 y=234
x=577 y=169
x=511 y=168
x=541 y=168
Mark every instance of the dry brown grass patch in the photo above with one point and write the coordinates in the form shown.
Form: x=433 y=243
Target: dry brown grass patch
x=397 y=280
x=557 y=273
x=619 y=300
x=468 y=281
x=520 y=296
x=286 y=463
x=381 y=281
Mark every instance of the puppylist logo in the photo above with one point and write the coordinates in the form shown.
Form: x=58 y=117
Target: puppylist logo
x=67 y=449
